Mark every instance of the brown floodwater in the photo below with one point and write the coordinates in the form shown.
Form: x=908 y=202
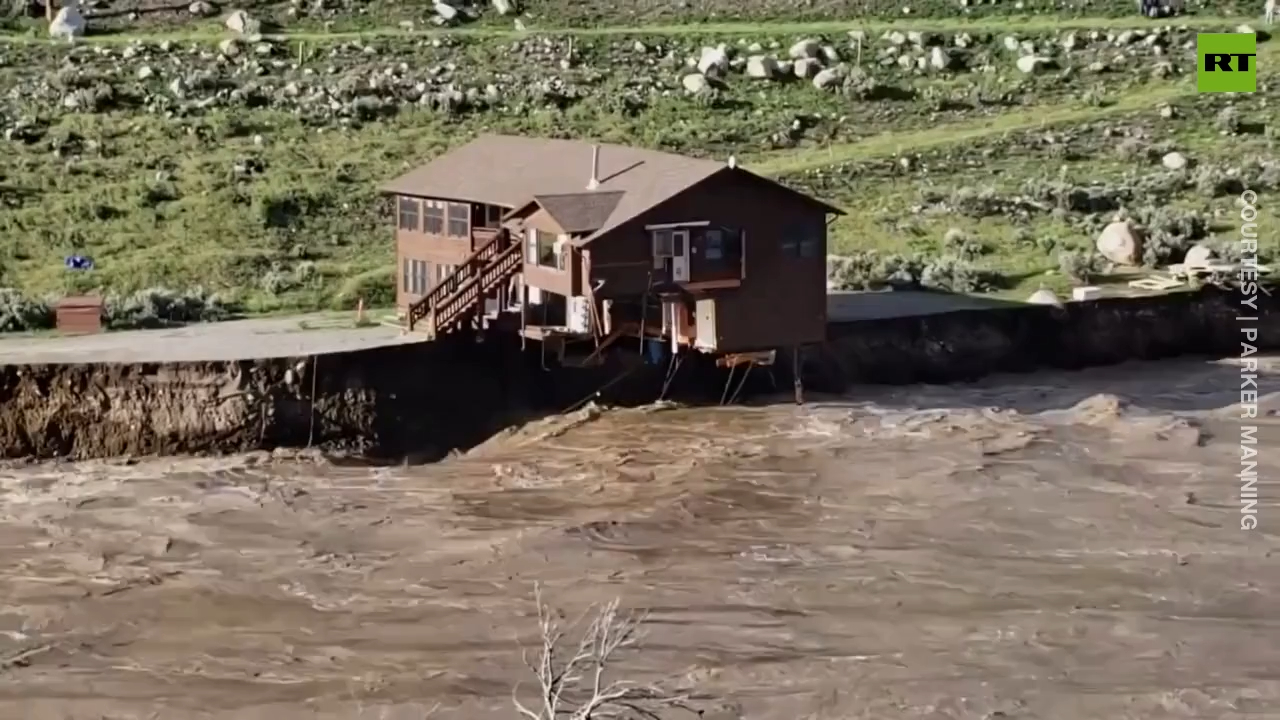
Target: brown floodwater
x=1051 y=545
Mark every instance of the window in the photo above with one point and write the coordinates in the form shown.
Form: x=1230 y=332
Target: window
x=459 y=219
x=415 y=277
x=804 y=241
x=663 y=243
x=433 y=217
x=493 y=215
x=408 y=212
x=546 y=248
x=714 y=245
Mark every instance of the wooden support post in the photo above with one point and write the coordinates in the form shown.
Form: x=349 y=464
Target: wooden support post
x=795 y=371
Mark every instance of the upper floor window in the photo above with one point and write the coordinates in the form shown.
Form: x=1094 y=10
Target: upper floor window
x=722 y=244
x=493 y=215
x=546 y=251
x=459 y=219
x=408 y=214
x=433 y=217
x=804 y=241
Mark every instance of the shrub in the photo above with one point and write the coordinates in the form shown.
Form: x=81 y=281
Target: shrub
x=953 y=274
x=1082 y=267
x=160 y=307
x=22 y=314
x=959 y=243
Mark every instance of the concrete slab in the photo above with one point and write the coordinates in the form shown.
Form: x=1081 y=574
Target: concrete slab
x=234 y=340
x=854 y=306
x=325 y=333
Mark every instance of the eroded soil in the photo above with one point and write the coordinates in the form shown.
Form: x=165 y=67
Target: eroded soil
x=1049 y=546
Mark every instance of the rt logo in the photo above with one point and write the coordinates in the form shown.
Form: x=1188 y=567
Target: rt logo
x=1227 y=62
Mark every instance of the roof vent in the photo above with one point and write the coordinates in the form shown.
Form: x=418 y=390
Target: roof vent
x=594 y=182
x=733 y=162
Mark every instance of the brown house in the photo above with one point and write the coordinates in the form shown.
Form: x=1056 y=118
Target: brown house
x=606 y=241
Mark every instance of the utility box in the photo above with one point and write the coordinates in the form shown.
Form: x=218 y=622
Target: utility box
x=79 y=315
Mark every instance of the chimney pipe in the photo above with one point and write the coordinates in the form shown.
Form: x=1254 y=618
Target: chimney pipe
x=594 y=182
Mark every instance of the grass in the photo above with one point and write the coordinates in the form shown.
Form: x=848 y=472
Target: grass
x=274 y=203
x=213 y=29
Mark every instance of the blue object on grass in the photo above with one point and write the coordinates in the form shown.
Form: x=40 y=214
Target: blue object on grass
x=79 y=262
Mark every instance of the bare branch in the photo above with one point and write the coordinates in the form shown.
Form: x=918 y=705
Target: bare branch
x=576 y=686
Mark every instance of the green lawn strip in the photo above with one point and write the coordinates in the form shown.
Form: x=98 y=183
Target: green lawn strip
x=1031 y=23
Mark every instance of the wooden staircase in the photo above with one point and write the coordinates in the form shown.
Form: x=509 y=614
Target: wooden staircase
x=459 y=298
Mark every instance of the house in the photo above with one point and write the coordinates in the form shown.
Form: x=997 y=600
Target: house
x=598 y=242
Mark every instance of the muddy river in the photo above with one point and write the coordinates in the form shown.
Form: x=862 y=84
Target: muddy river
x=1054 y=545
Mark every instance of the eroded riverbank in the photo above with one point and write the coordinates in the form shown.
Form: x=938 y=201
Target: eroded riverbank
x=1052 y=545
x=392 y=398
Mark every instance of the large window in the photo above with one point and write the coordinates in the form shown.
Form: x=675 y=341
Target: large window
x=459 y=219
x=408 y=214
x=433 y=217
x=721 y=245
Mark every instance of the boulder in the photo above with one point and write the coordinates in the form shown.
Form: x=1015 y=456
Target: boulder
x=1174 y=161
x=238 y=21
x=807 y=48
x=695 y=84
x=68 y=24
x=762 y=66
x=829 y=78
x=806 y=68
x=1199 y=256
x=714 y=60
x=1034 y=64
x=1121 y=243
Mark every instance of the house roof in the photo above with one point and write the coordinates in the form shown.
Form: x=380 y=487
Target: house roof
x=513 y=171
x=581 y=212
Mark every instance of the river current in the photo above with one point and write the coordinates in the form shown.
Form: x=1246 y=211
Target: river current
x=1050 y=545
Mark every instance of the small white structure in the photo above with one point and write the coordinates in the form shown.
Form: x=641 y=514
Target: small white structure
x=1089 y=292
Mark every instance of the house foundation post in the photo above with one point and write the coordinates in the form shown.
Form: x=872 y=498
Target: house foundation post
x=795 y=372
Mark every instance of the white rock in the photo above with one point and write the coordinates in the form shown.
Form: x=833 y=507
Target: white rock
x=240 y=22
x=1174 y=161
x=1044 y=296
x=828 y=78
x=229 y=47
x=503 y=7
x=939 y=59
x=695 y=83
x=1199 y=255
x=1121 y=243
x=1032 y=64
x=806 y=68
x=807 y=48
x=68 y=23
x=762 y=66
x=445 y=11
x=714 y=60
x=200 y=8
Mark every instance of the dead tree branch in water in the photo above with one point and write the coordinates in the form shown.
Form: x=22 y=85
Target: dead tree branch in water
x=573 y=685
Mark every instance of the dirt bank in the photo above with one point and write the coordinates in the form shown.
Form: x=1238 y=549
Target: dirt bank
x=425 y=399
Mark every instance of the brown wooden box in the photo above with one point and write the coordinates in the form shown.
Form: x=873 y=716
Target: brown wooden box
x=79 y=315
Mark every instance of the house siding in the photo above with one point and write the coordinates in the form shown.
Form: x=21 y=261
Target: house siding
x=782 y=298
x=433 y=248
